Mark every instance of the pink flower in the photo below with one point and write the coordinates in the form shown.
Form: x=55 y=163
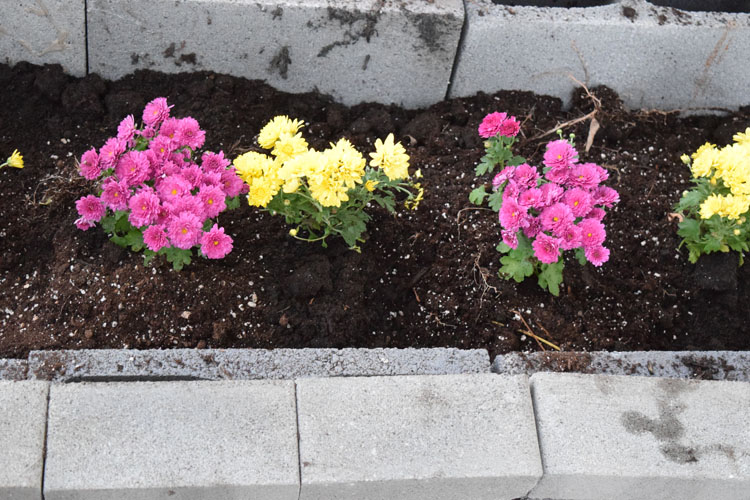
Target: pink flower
x=526 y=176
x=90 y=167
x=604 y=195
x=155 y=238
x=556 y=218
x=534 y=227
x=592 y=232
x=193 y=174
x=83 y=224
x=510 y=127
x=184 y=230
x=511 y=190
x=546 y=248
x=90 y=208
x=115 y=194
x=173 y=187
x=570 y=238
x=187 y=204
x=133 y=168
x=147 y=133
x=501 y=177
x=169 y=129
x=492 y=124
x=584 y=176
x=161 y=147
x=215 y=244
x=144 y=208
x=512 y=215
x=558 y=175
x=213 y=162
x=190 y=134
x=211 y=179
x=560 y=154
x=601 y=173
x=510 y=238
x=126 y=131
x=596 y=213
x=530 y=198
x=169 y=168
x=231 y=183
x=597 y=255
x=213 y=199
x=579 y=201
x=156 y=112
x=551 y=193
x=110 y=152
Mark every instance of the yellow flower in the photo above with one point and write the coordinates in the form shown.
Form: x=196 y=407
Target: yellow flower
x=705 y=159
x=293 y=232
x=288 y=146
x=370 y=185
x=734 y=206
x=413 y=204
x=711 y=206
x=347 y=161
x=251 y=165
x=276 y=128
x=742 y=138
x=736 y=232
x=15 y=160
x=391 y=158
x=685 y=159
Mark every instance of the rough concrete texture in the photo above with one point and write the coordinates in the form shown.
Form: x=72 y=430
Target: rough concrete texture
x=706 y=365
x=246 y=364
x=653 y=56
x=44 y=31
x=182 y=440
x=436 y=437
x=354 y=50
x=23 y=412
x=633 y=438
x=13 y=369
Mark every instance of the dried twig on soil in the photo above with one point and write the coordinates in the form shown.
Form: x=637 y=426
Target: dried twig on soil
x=533 y=335
x=458 y=216
x=483 y=274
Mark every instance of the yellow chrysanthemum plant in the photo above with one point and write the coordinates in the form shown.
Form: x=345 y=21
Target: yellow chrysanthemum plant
x=716 y=211
x=325 y=193
x=15 y=160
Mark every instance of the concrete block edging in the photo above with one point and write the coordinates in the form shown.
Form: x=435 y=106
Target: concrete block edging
x=559 y=436
x=376 y=50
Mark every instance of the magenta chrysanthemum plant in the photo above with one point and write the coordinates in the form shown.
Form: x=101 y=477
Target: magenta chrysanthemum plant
x=543 y=212
x=155 y=193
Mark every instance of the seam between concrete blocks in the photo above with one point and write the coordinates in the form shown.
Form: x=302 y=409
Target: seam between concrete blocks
x=299 y=451
x=86 y=33
x=538 y=438
x=44 y=446
x=456 y=56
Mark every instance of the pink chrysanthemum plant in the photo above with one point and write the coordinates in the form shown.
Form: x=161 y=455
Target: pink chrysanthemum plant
x=544 y=212
x=156 y=193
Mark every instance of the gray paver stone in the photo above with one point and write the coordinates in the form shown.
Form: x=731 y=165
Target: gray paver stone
x=44 y=32
x=417 y=437
x=184 y=440
x=13 y=369
x=355 y=50
x=636 y=438
x=23 y=412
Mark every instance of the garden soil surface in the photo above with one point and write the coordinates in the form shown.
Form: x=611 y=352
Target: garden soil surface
x=424 y=278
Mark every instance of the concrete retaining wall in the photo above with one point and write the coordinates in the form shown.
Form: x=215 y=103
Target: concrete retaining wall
x=471 y=436
x=663 y=54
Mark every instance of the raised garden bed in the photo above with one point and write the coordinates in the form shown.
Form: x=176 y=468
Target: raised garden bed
x=424 y=278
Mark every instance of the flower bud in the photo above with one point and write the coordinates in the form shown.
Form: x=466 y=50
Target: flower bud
x=293 y=232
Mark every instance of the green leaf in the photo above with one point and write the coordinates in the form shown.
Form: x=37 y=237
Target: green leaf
x=503 y=248
x=485 y=165
x=689 y=229
x=134 y=239
x=551 y=276
x=690 y=200
x=516 y=160
x=386 y=202
x=581 y=256
x=518 y=269
x=233 y=203
x=177 y=257
x=496 y=200
x=478 y=195
x=108 y=224
x=148 y=256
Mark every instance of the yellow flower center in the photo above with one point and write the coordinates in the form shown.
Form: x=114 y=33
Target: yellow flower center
x=555 y=219
x=588 y=235
x=174 y=191
x=184 y=230
x=575 y=203
x=216 y=242
x=115 y=195
x=143 y=207
x=210 y=201
x=559 y=157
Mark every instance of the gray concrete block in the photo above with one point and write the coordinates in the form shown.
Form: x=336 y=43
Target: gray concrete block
x=354 y=50
x=13 y=369
x=181 y=440
x=653 y=56
x=23 y=416
x=44 y=31
x=633 y=438
x=247 y=364
x=439 y=437
x=703 y=365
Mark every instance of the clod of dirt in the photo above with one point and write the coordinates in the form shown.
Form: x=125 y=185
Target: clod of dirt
x=312 y=276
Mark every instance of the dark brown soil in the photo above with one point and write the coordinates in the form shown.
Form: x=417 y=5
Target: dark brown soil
x=425 y=278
